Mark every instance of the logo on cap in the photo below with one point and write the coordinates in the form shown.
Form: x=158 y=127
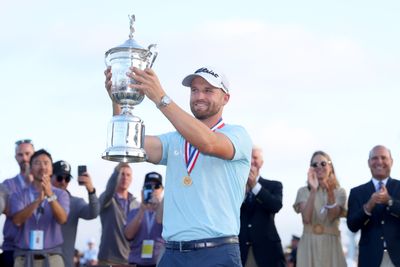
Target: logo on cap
x=65 y=166
x=207 y=71
x=62 y=168
x=211 y=76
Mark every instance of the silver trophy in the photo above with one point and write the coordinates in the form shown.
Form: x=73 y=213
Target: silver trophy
x=125 y=131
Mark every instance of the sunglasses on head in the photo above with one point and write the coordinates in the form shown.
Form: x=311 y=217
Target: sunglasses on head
x=61 y=178
x=320 y=164
x=23 y=141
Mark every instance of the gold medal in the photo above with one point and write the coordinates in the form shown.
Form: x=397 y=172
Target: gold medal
x=187 y=180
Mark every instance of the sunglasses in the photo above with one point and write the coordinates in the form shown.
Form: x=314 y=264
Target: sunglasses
x=157 y=186
x=153 y=186
x=320 y=164
x=61 y=178
x=23 y=141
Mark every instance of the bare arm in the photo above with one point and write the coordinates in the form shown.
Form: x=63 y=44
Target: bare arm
x=58 y=211
x=307 y=208
x=153 y=148
x=133 y=226
x=116 y=109
x=335 y=212
x=197 y=133
x=21 y=216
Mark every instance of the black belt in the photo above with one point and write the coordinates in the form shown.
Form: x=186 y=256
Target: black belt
x=199 y=244
x=39 y=257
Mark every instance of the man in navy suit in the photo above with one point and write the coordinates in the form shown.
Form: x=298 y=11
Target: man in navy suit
x=260 y=245
x=374 y=208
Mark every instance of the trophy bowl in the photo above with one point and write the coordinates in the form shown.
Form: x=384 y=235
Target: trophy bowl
x=125 y=131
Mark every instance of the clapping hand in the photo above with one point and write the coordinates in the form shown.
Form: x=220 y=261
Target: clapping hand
x=312 y=179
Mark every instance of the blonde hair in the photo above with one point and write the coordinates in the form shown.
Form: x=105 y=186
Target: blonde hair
x=332 y=174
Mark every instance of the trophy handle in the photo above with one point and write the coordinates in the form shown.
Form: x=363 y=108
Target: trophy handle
x=152 y=54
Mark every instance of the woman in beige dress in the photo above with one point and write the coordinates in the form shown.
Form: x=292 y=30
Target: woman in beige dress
x=321 y=204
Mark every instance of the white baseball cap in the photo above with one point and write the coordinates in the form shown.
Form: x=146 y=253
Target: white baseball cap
x=211 y=75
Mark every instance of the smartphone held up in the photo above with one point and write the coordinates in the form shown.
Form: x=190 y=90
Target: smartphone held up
x=81 y=170
x=147 y=193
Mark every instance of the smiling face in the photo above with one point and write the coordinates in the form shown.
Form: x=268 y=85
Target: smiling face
x=206 y=100
x=257 y=158
x=380 y=162
x=322 y=166
x=41 y=166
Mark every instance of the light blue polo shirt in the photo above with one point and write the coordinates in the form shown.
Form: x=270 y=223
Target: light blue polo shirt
x=210 y=206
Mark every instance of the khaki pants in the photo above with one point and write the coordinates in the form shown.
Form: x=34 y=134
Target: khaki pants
x=250 y=261
x=386 y=262
x=54 y=261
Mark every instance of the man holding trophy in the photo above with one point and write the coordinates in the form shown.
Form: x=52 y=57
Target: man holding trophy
x=207 y=161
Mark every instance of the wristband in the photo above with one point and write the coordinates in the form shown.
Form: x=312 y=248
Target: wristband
x=331 y=206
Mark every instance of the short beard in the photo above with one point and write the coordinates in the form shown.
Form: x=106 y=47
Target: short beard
x=203 y=116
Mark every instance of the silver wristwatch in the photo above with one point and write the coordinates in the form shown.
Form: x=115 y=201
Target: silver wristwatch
x=165 y=101
x=52 y=198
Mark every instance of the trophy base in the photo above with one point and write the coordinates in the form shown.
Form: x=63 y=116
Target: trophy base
x=124 y=154
x=125 y=139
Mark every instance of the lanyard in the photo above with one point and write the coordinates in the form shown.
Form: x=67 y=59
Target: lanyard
x=40 y=210
x=150 y=218
x=192 y=153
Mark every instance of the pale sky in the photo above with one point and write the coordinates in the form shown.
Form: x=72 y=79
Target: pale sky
x=305 y=76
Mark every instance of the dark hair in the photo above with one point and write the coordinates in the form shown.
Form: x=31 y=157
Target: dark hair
x=38 y=153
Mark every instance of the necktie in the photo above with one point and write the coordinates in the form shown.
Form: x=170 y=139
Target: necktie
x=250 y=197
x=380 y=184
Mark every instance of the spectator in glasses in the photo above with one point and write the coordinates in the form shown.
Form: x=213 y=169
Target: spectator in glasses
x=24 y=149
x=321 y=204
x=79 y=208
x=144 y=224
x=38 y=211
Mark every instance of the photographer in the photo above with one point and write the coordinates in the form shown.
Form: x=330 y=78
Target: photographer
x=144 y=227
x=79 y=208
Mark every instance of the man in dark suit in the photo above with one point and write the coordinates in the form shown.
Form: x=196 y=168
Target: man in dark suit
x=374 y=208
x=260 y=245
